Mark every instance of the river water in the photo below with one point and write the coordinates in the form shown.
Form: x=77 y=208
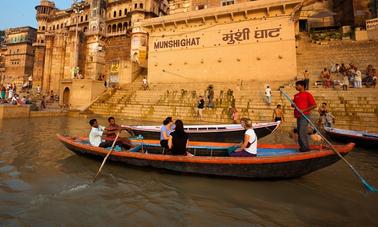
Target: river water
x=44 y=184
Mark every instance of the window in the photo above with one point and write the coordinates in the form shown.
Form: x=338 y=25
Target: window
x=61 y=25
x=114 y=28
x=227 y=2
x=43 y=28
x=81 y=19
x=120 y=13
x=141 y=5
x=114 y=14
x=199 y=7
x=135 y=6
x=125 y=12
x=109 y=28
x=86 y=17
x=57 y=26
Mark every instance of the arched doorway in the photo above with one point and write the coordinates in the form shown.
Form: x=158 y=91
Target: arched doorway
x=66 y=97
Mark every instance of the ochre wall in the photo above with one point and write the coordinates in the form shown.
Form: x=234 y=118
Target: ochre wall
x=210 y=58
x=14 y=111
x=82 y=91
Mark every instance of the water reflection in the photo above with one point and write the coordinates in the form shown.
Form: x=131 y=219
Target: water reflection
x=42 y=183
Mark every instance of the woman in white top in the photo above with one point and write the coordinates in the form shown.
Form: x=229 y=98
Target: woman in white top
x=248 y=148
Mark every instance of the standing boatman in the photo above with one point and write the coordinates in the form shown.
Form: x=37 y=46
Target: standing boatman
x=305 y=102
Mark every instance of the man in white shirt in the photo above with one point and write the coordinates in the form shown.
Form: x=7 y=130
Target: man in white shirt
x=268 y=94
x=95 y=136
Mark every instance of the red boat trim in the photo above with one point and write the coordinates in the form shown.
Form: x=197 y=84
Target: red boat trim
x=216 y=160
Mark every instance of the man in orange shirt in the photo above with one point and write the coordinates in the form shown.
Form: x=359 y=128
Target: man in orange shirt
x=305 y=102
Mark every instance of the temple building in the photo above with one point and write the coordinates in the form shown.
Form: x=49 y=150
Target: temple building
x=88 y=44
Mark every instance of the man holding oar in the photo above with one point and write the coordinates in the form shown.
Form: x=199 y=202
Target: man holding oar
x=305 y=102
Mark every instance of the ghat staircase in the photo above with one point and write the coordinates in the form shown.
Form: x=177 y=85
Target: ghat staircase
x=353 y=109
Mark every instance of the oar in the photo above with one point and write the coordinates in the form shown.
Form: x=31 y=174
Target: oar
x=106 y=157
x=364 y=182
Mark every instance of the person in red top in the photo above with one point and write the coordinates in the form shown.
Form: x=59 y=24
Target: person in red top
x=305 y=102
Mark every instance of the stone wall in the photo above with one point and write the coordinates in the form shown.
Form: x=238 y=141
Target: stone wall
x=14 y=111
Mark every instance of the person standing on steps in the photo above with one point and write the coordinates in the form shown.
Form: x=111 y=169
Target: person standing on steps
x=278 y=113
x=268 y=94
x=306 y=76
x=210 y=96
x=305 y=102
x=200 y=106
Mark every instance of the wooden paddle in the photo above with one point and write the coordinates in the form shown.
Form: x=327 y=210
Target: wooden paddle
x=364 y=182
x=106 y=157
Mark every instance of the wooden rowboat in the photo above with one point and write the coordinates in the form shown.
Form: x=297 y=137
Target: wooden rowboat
x=272 y=162
x=362 y=138
x=215 y=133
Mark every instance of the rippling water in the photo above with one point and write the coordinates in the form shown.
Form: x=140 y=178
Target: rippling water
x=44 y=184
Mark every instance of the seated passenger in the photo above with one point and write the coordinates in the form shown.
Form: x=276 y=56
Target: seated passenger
x=178 y=139
x=248 y=148
x=96 y=135
x=112 y=130
x=165 y=132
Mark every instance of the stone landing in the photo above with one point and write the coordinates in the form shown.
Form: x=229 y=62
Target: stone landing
x=14 y=111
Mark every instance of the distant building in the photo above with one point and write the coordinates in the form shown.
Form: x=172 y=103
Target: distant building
x=17 y=55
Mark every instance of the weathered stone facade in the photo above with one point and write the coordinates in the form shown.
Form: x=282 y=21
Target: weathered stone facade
x=17 y=55
x=90 y=42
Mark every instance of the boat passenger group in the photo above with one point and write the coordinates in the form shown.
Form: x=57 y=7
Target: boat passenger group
x=174 y=140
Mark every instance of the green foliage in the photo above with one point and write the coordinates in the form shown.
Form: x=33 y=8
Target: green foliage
x=328 y=35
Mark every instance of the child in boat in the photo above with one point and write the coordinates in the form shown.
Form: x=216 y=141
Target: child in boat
x=248 y=148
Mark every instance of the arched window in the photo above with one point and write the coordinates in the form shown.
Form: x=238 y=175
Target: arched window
x=86 y=17
x=135 y=6
x=53 y=27
x=125 y=12
x=141 y=5
x=120 y=13
x=114 y=14
x=81 y=19
x=85 y=29
x=109 y=28
x=125 y=26
x=119 y=27
x=43 y=28
x=61 y=25
x=57 y=26
x=42 y=41
x=114 y=28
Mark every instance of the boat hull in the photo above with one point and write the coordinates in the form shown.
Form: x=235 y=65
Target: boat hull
x=212 y=135
x=358 y=138
x=288 y=166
